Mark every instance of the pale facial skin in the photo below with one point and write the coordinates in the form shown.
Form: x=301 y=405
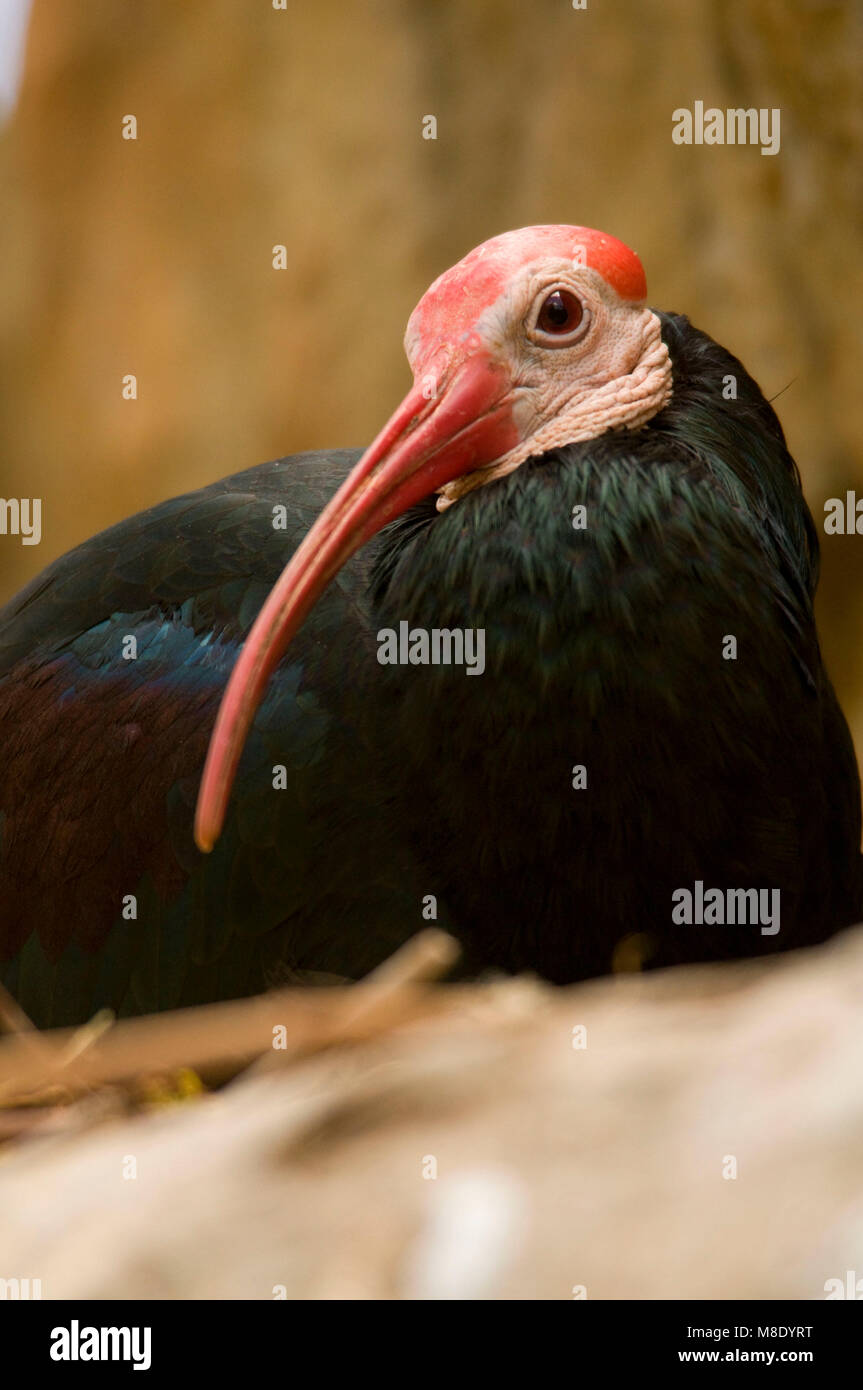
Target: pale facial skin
x=606 y=367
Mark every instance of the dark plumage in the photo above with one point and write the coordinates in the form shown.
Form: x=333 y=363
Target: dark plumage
x=102 y=757
x=603 y=648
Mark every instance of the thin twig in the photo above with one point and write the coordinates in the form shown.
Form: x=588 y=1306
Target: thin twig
x=213 y=1035
x=12 y=1017
x=421 y=960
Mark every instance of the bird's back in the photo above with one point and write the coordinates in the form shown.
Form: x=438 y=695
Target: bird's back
x=112 y=663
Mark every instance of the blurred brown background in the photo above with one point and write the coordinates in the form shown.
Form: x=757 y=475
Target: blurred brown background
x=303 y=126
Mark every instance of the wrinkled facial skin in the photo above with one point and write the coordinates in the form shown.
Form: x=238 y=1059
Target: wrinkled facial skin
x=611 y=372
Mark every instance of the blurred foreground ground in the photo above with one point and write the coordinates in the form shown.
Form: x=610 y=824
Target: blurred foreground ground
x=479 y=1154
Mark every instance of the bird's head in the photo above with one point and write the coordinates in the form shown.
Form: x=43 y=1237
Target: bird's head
x=538 y=338
x=543 y=338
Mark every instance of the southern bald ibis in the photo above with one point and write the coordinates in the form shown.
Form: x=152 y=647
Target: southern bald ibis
x=595 y=486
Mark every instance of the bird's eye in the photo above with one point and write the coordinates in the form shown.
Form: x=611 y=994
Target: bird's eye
x=561 y=313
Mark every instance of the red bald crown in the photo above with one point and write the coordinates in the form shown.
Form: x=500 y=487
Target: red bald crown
x=453 y=304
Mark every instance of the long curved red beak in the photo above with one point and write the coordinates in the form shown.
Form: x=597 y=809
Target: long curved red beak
x=426 y=443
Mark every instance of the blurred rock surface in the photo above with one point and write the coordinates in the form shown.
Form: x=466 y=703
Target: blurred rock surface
x=484 y=1156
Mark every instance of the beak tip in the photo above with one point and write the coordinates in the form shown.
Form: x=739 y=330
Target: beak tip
x=204 y=839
